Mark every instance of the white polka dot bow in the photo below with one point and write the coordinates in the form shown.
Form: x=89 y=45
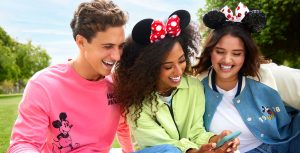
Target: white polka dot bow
x=240 y=11
x=159 y=30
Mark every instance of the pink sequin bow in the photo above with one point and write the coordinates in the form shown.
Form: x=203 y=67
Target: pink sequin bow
x=240 y=11
x=159 y=30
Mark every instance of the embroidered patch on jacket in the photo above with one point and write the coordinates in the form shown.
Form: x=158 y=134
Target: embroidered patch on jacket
x=63 y=141
x=268 y=113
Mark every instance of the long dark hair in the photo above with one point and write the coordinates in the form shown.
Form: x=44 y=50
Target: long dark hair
x=253 y=57
x=137 y=72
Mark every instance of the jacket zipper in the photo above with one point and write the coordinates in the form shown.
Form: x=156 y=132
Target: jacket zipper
x=172 y=114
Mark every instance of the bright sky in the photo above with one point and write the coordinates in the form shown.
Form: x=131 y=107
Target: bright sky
x=46 y=22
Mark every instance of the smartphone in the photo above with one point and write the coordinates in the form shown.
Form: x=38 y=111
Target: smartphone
x=228 y=138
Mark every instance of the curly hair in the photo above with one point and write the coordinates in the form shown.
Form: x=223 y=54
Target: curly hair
x=137 y=72
x=97 y=15
x=253 y=56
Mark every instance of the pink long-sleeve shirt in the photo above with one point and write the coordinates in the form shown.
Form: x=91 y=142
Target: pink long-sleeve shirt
x=63 y=112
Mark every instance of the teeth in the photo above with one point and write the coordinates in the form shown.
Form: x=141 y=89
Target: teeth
x=226 y=67
x=109 y=62
x=176 y=79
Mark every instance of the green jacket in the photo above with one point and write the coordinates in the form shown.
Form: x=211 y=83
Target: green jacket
x=180 y=124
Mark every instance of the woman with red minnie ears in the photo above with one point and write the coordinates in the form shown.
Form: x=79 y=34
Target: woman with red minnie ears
x=164 y=105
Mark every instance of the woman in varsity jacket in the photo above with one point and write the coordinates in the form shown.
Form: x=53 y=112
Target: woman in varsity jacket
x=245 y=92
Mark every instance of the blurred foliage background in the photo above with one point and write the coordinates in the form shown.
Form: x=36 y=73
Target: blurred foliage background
x=280 y=40
x=18 y=62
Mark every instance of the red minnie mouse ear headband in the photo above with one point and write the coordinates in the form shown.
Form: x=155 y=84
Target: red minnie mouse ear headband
x=149 y=31
x=253 y=20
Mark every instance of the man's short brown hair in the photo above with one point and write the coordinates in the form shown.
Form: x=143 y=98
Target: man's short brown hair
x=96 y=16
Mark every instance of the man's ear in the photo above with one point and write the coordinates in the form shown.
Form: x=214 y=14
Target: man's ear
x=80 y=41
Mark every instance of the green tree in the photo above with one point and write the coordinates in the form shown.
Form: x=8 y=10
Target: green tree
x=5 y=39
x=18 y=62
x=7 y=86
x=280 y=40
x=30 y=59
x=8 y=68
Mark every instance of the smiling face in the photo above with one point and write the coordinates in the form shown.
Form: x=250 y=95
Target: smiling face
x=227 y=58
x=65 y=128
x=98 y=56
x=172 y=69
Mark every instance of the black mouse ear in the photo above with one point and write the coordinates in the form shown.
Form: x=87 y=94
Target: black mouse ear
x=62 y=116
x=141 y=31
x=56 y=124
x=214 y=19
x=254 y=20
x=184 y=17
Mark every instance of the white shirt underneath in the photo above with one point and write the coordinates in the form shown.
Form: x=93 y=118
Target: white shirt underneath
x=227 y=117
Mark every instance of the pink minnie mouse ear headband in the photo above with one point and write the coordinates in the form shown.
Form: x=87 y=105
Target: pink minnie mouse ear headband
x=149 y=31
x=253 y=20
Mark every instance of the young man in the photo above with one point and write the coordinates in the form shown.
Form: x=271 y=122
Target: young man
x=69 y=107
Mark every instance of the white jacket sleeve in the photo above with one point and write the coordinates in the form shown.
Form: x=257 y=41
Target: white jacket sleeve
x=288 y=83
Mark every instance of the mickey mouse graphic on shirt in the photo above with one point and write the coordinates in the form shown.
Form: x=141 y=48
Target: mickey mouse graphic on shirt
x=63 y=140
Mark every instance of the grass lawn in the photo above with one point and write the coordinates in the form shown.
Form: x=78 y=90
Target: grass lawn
x=8 y=113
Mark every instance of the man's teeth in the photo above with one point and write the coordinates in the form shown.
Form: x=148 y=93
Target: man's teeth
x=108 y=62
x=175 y=78
x=226 y=67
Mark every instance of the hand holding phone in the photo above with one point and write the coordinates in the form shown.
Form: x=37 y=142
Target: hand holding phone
x=227 y=138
